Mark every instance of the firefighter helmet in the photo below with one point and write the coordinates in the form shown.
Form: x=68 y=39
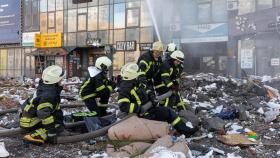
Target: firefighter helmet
x=129 y=71
x=103 y=63
x=52 y=74
x=178 y=55
x=171 y=47
x=157 y=46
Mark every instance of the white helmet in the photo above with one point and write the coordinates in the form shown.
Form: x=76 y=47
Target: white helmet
x=171 y=47
x=129 y=71
x=178 y=55
x=103 y=63
x=157 y=46
x=52 y=74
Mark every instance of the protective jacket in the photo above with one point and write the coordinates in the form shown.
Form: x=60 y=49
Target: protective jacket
x=131 y=97
x=43 y=108
x=168 y=79
x=93 y=86
x=167 y=75
x=149 y=67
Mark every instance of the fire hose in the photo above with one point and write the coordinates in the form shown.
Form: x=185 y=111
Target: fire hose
x=85 y=136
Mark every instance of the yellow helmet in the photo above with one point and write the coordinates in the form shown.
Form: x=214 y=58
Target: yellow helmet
x=178 y=55
x=129 y=71
x=52 y=74
x=157 y=46
x=103 y=63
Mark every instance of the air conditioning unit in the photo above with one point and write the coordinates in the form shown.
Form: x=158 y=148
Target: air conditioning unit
x=232 y=5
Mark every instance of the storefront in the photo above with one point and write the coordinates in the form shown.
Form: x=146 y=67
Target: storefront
x=255 y=37
x=205 y=46
x=87 y=28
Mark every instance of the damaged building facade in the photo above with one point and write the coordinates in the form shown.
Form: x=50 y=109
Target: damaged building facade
x=254 y=37
x=72 y=34
x=220 y=36
x=199 y=28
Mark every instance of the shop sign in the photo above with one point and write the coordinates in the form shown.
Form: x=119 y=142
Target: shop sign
x=275 y=61
x=247 y=58
x=28 y=38
x=49 y=40
x=93 y=42
x=126 y=46
x=10 y=21
x=146 y=46
x=217 y=32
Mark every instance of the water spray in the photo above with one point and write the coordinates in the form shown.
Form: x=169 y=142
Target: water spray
x=153 y=18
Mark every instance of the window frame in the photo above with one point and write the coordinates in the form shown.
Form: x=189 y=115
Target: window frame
x=210 y=12
x=126 y=17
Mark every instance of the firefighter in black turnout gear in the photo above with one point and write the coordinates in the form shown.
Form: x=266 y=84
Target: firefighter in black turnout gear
x=98 y=86
x=132 y=96
x=149 y=64
x=167 y=79
x=41 y=114
x=171 y=47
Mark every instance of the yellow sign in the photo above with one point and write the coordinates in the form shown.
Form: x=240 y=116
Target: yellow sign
x=49 y=40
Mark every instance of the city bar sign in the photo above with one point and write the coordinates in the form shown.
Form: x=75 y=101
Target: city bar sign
x=49 y=40
x=126 y=46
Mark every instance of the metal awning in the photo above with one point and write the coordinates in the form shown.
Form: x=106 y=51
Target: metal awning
x=48 y=51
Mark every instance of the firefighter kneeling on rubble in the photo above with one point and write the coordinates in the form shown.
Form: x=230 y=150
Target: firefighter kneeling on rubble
x=132 y=96
x=41 y=113
x=98 y=86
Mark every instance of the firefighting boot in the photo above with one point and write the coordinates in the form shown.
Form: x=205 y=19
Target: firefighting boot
x=34 y=140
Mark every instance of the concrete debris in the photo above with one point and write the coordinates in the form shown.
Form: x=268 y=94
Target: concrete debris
x=232 y=155
x=217 y=150
x=255 y=104
x=167 y=146
x=214 y=124
x=271 y=115
x=208 y=155
x=3 y=151
x=189 y=116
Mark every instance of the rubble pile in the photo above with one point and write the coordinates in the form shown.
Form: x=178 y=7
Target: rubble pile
x=236 y=118
x=236 y=115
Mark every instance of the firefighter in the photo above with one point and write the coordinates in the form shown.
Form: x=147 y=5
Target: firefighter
x=97 y=86
x=132 y=97
x=167 y=79
x=171 y=47
x=149 y=64
x=41 y=114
